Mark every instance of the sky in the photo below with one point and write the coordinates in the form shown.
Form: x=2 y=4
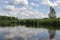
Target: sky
x=28 y=9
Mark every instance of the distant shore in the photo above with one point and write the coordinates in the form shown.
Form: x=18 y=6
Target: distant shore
x=12 y=21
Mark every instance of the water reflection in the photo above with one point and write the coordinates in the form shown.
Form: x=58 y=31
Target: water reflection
x=24 y=33
x=52 y=34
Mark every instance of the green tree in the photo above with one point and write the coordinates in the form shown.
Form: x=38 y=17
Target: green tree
x=52 y=13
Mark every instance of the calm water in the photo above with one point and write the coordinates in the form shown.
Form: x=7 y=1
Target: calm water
x=24 y=33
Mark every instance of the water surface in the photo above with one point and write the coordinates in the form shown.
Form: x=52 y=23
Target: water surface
x=24 y=33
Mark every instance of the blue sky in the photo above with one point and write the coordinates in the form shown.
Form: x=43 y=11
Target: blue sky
x=26 y=9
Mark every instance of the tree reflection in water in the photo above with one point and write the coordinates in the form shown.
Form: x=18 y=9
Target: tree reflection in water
x=52 y=34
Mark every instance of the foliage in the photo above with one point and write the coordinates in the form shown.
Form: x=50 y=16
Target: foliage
x=7 y=21
x=52 y=13
x=11 y=21
x=39 y=22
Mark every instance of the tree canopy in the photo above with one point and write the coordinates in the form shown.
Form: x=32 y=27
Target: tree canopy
x=52 y=13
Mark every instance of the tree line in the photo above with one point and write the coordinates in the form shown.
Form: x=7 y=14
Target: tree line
x=7 y=21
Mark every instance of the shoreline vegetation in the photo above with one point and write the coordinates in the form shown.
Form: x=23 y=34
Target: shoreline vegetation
x=48 y=23
x=7 y=21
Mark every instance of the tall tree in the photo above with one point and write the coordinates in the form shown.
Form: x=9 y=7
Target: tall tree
x=52 y=13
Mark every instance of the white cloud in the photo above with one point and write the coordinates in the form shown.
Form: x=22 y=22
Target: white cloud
x=9 y=7
x=19 y=2
x=15 y=2
x=58 y=15
x=23 y=2
x=13 y=14
x=56 y=3
x=34 y=4
x=3 y=14
x=27 y=14
x=23 y=13
x=49 y=3
x=14 y=11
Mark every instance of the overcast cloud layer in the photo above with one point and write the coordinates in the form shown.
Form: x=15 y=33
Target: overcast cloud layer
x=26 y=9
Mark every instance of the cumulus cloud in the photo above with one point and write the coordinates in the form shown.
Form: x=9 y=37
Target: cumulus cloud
x=14 y=11
x=3 y=14
x=56 y=3
x=9 y=7
x=18 y=2
x=58 y=15
x=34 y=4
x=23 y=13
x=15 y=2
x=49 y=3
x=13 y=14
x=27 y=14
x=24 y=2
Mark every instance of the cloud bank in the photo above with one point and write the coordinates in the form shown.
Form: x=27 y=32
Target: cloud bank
x=24 y=9
x=56 y=3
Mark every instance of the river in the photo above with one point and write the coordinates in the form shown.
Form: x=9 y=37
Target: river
x=24 y=33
